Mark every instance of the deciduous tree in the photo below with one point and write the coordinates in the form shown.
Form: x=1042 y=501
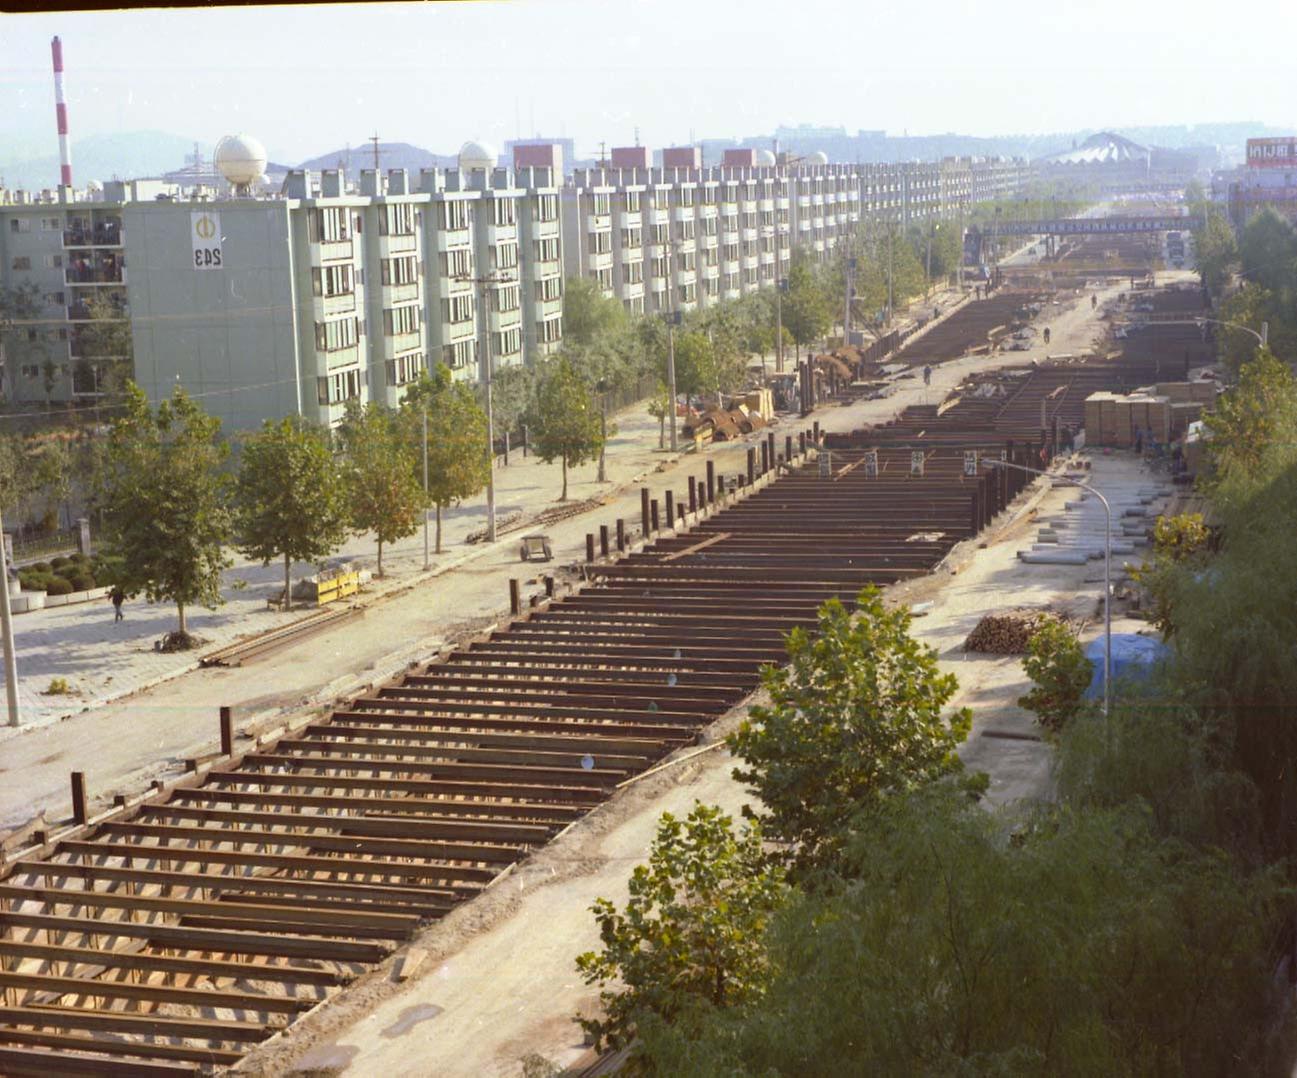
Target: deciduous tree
x=290 y=499
x=692 y=931
x=383 y=495
x=166 y=501
x=568 y=427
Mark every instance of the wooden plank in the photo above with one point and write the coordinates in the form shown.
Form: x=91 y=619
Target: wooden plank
x=709 y=541
x=157 y=993
x=148 y=962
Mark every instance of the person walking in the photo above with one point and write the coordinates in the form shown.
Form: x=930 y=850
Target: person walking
x=118 y=597
x=927 y=376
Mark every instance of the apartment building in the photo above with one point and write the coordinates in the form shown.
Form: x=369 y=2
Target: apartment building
x=293 y=305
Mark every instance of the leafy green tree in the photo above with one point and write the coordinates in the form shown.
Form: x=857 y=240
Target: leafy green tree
x=691 y=932
x=290 y=499
x=378 y=467
x=696 y=368
x=166 y=501
x=1257 y=414
x=1177 y=541
x=1215 y=251
x=513 y=396
x=589 y=316
x=458 y=463
x=1060 y=674
x=807 y=314
x=568 y=422
x=659 y=407
x=969 y=943
x=855 y=718
x=1268 y=251
x=1250 y=306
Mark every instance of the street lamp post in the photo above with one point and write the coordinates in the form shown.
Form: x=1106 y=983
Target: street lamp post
x=780 y=288
x=1107 y=566
x=488 y=367
x=673 y=320
x=426 y=563
x=7 y=630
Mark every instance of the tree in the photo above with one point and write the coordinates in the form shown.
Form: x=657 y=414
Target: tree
x=1060 y=673
x=1250 y=306
x=567 y=421
x=1177 y=541
x=659 y=407
x=588 y=316
x=383 y=495
x=290 y=500
x=696 y=371
x=976 y=944
x=105 y=348
x=1268 y=251
x=166 y=501
x=691 y=932
x=513 y=396
x=807 y=314
x=1249 y=420
x=1215 y=251
x=458 y=463
x=17 y=305
x=855 y=718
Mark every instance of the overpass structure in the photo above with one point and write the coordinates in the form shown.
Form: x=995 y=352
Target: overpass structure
x=1093 y=226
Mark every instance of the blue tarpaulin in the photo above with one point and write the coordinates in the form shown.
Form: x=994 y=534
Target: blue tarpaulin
x=1132 y=656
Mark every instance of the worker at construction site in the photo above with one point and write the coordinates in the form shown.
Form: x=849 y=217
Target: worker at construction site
x=1046 y=334
x=927 y=376
x=1094 y=301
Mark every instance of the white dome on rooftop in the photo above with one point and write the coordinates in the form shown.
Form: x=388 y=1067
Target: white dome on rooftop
x=819 y=157
x=474 y=155
x=241 y=159
x=765 y=157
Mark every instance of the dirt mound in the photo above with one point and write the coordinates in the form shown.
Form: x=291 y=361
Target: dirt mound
x=1008 y=633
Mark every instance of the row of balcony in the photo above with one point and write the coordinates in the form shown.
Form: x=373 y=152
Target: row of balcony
x=113 y=272
x=102 y=236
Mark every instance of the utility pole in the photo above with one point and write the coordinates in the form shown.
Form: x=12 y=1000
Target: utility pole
x=426 y=564
x=780 y=288
x=487 y=367
x=846 y=312
x=673 y=317
x=891 y=233
x=374 y=139
x=7 y=631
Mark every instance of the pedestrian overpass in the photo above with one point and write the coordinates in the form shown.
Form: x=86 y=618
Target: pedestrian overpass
x=1092 y=226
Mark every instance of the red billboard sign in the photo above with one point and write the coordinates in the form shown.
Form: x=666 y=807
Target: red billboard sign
x=1272 y=152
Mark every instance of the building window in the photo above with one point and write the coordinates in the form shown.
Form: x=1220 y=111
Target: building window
x=545 y=207
x=507 y=341
x=551 y=288
x=662 y=198
x=454 y=215
x=661 y=233
x=661 y=267
x=602 y=205
x=546 y=250
x=632 y=272
x=455 y=309
x=600 y=243
x=31 y=370
x=53 y=261
x=686 y=230
x=603 y=278
x=504 y=256
x=339 y=387
x=630 y=202
x=505 y=298
x=396 y=219
x=337 y=334
x=20 y=224
x=460 y=354
x=551 y=330
x=503 y=212
x=51 y=224
x=399 y=270
x=400 y=320
x=405 y=369
x=329 y=224
x=632 y=238
x=333 y=280
x=22 y=262
x=457 y=263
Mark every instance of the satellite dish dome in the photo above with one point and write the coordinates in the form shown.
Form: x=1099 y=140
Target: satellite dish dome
x=765 y=157
x=476 y=155
x=241 y=159
x=819 y=157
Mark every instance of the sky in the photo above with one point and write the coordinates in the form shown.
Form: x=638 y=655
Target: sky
x=306 y=80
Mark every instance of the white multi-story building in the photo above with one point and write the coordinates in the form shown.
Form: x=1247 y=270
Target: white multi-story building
x=293 y=304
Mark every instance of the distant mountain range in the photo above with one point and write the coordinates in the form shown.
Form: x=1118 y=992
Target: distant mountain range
x=134 y=154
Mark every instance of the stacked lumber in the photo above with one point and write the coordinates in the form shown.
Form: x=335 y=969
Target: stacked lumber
x=1007 y=633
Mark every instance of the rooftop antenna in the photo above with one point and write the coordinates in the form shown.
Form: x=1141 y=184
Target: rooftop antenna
x=374 y=139
x=603 y=156
x=637 y=134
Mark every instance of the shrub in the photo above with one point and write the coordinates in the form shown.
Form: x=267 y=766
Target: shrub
x=58 y=687
x=1057 y=665
x=58 y=586
x=41 y=567
x=80 y=580
x=59 y=563
x=33 y=581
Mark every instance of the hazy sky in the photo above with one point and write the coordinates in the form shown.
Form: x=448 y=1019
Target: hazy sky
x=305 y=80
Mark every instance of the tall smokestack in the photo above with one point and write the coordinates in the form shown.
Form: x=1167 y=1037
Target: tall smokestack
x=61 y=112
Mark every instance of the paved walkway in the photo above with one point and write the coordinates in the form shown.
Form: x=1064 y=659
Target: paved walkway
x=147 y=734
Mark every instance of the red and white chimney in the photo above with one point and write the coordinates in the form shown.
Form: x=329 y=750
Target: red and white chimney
x=61 y=112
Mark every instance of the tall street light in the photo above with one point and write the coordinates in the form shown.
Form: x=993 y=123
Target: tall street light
x=780 y=288
x=7 y=630
x=487 y=367
x=1107 y=564
x=673 y=319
